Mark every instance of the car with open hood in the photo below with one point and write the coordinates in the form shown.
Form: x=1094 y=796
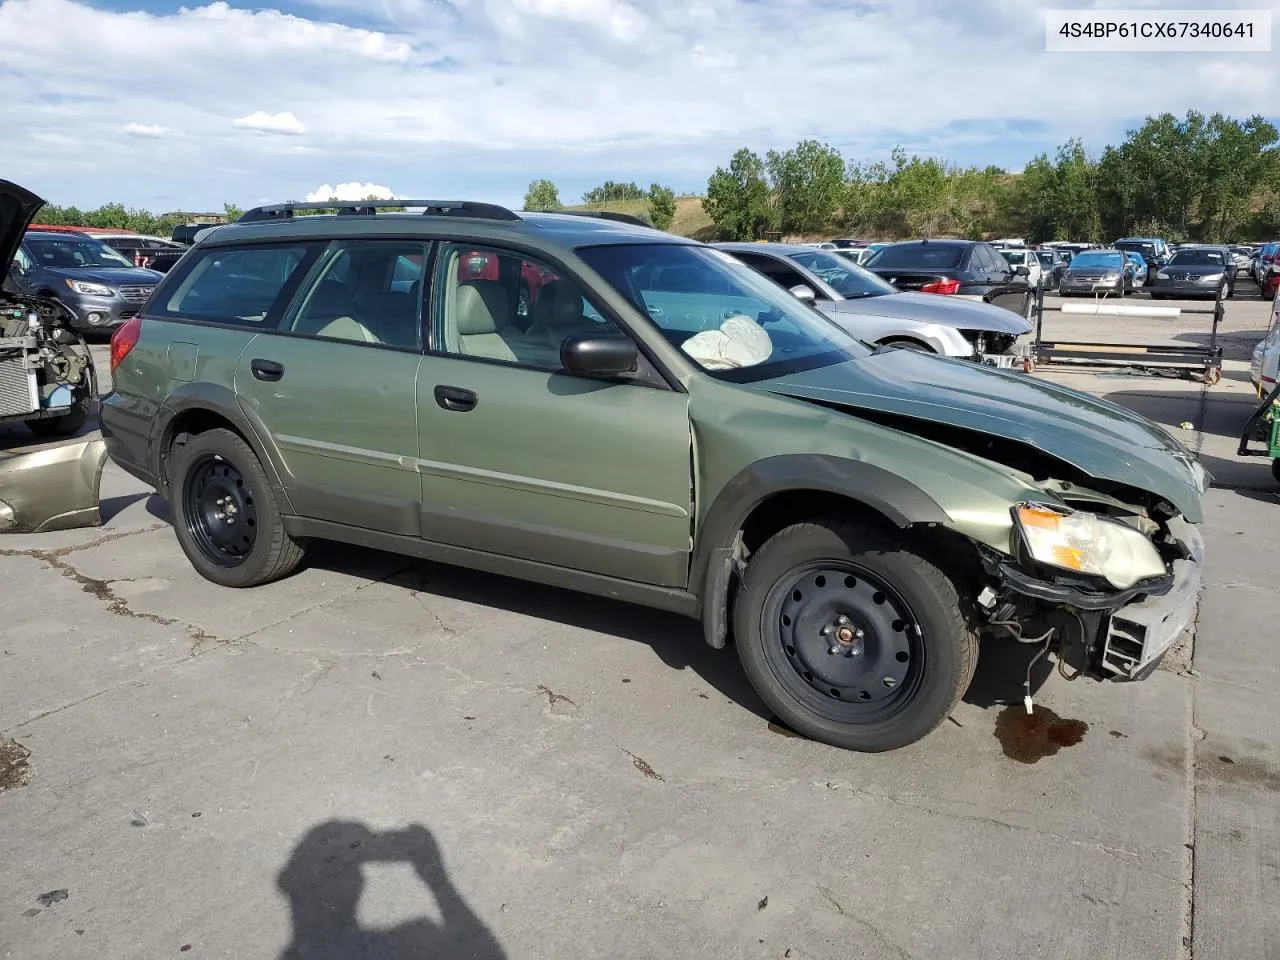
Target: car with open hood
x=46 y=369
x=663 y=425
x=879 y=313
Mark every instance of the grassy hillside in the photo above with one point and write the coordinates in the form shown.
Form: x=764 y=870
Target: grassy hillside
x=690 y=221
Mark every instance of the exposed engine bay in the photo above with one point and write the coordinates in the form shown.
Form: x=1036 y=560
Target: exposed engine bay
x=47 y=377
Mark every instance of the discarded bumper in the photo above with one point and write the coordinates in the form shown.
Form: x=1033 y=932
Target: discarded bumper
x=53 y=489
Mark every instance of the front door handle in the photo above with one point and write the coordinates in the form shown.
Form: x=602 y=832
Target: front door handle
x=268 y=370
x=455 y=398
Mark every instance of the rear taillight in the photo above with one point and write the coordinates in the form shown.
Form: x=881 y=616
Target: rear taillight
x=124 y=339
x=945 y=285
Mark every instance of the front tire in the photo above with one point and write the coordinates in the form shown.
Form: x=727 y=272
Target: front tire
x=852 y=637
x=64 y=426
x=225 y=516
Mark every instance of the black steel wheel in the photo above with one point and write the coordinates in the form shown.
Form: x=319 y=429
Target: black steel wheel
x=851 y=636
x=225 y=513
x=846 y=642
x=220 y=512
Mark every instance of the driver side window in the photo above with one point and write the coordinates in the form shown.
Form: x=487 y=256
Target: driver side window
x=22 y=259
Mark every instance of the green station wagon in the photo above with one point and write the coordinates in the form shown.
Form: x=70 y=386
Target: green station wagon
x=586 y=402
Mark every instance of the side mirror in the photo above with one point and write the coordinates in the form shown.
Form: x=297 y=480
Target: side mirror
x=599 y=356
x=802 y=291
x=1022 y=271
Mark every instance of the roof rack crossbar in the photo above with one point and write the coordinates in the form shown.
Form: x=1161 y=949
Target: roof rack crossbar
x=609 y=215
x=368 y=208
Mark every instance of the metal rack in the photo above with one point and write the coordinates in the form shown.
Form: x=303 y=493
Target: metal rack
x=1203 y=363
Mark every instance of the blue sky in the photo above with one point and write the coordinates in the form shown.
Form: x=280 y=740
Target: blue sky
x=166 y=105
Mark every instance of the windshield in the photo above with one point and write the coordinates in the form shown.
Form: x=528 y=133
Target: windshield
x=925 y=256
x=1197 y=258
x=1015 y=257
x=73 y=252
x=734 y=322
x=847 y=279
x=1045 y=257
x=1097 y=259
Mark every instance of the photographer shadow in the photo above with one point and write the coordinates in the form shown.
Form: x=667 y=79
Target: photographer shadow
x=324 y=879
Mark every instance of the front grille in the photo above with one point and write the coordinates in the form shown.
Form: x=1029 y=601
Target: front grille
x=17 y=387
x=137 y=294
x=1086 y=277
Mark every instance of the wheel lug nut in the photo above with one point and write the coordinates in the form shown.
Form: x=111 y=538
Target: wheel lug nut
x=835 y=649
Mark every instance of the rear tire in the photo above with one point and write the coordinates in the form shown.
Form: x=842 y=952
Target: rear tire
x=851 y=637
x=225 y=515
x=64 y=426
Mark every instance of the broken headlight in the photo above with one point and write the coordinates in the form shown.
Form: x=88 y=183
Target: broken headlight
x=1087 y=543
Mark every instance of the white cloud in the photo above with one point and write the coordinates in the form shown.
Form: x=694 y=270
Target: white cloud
x=152 y=130
x=355 y=190
x=284 y=122
x=477 y=97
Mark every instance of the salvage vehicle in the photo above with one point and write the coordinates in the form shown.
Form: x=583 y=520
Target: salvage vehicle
x=964 y=269
x=879 y=313
x=47 y=377
x=1098 y=273
x=671 y=429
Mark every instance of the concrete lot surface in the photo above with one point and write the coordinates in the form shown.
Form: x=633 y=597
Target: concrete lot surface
x=384 y=758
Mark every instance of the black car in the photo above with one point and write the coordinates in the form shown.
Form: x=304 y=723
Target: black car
x=101 y=288
x=1201 y=272
x=152 y=252
x=962 y=268
x=186 y=233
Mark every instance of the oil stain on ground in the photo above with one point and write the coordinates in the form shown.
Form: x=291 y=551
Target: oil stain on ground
x=1028 y=738
x=14 y=771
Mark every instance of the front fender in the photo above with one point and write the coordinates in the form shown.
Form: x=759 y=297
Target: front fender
x=900 y=501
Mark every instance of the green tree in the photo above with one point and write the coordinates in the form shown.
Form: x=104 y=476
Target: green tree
x=662 y=205
x=738 y=198
x=232 y=212
x=809 y=180
x=542 y=195
x=611 y=192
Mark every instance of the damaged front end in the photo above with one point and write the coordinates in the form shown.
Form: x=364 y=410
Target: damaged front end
x=1110 y=607
x=53 y=489
x=47 y=377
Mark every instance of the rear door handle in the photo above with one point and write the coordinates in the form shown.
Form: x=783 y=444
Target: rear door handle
x=455 y=398
x=268 y=370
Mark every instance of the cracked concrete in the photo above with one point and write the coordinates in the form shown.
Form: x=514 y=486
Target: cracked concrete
x=597 y=780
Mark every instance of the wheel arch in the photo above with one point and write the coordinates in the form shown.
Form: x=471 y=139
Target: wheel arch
x=778 y=491
x=195 y=408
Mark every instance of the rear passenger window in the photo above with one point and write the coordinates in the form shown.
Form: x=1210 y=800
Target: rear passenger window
x=366 y=291
x=498 y=305
x=235 y=285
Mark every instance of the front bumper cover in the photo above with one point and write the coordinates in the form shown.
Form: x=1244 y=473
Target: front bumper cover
x=1136 y=627
x=53 y=489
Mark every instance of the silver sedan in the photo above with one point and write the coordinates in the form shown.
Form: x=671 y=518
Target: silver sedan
x=877 y=312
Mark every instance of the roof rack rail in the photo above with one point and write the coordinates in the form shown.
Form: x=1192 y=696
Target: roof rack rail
x=367 y=208
x=609 y=215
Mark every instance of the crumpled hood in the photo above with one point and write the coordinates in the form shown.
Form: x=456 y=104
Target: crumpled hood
x=935 y=308
x=109 y=276
x=1102 y=439
x=18 y=208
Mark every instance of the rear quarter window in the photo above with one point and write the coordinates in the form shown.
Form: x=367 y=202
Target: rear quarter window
x=236 y=286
